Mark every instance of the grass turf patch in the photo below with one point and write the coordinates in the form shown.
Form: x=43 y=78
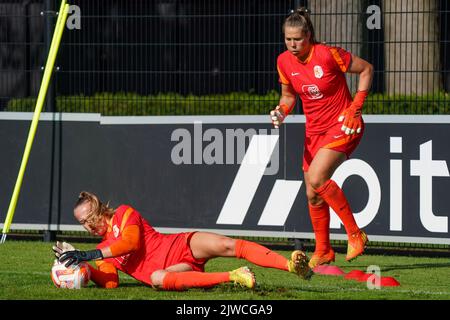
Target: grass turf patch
x=25 y=275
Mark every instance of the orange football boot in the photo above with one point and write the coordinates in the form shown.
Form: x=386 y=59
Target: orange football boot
x=244 y=277
x=356 y=245
x=320 y=258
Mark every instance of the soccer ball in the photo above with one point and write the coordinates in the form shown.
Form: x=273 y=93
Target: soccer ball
x=73 y=277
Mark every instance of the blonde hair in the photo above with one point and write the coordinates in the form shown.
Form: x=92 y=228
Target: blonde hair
x=98 y=210
x=300 y=18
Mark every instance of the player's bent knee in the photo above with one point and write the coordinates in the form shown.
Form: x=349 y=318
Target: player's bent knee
x=317 y=182
x=227 y=246
x=157 y=278
x=312 y=196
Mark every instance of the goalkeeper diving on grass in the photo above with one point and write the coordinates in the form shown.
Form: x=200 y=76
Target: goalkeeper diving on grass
x=164 y=261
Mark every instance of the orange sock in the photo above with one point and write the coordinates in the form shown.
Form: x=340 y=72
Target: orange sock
x=334 y=196
x=260 y=255
x=193 y=279
x=320 y=219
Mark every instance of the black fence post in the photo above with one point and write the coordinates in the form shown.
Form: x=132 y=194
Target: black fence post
x=299 y=244
x=49 y=15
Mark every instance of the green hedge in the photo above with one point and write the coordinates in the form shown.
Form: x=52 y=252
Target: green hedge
x=438 y=103
x=236 y=103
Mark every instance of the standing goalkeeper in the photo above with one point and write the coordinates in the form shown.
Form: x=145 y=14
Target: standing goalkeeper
x=334 y=124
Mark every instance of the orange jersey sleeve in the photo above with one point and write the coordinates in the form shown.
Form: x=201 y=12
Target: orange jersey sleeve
x=105 y=276
x=129 y=241
x=342 y=58
x=125 y=239
x=282 y=77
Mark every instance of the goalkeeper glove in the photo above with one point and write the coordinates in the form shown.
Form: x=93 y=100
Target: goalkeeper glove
x=279 y=114
x=62 y=247
x=351 y=117
x=76 y=256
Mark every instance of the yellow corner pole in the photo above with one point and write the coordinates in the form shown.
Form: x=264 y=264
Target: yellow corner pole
x=56 y=40
x=54 y=45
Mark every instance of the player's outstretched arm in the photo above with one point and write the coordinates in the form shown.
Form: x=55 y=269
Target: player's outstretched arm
x=126 y=244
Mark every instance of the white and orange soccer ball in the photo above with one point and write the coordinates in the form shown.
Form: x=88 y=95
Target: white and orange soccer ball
x=73 y=277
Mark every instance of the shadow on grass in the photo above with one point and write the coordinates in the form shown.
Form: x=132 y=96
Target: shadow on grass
x=416 y=266
x=350 y=267
x=134 y=285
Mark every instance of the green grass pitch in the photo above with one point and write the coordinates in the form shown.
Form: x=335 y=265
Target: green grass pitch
x=25 y=275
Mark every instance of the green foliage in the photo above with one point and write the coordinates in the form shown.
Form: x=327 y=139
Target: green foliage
x=112 y=104
x=235 y=103
x=429 y=104
x=25 y=276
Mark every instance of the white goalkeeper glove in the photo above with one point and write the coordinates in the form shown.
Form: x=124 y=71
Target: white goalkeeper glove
x=277 y=116
x=62 y=247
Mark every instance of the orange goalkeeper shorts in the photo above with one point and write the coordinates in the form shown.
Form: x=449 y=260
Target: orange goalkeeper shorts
x=180 y=252
x=334 y=139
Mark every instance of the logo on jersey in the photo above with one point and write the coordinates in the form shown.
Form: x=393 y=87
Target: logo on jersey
x=123 y=259
x=312 y=91
x=116 y=230
x=318 y=72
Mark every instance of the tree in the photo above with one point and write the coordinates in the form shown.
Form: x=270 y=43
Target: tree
x=411 y=46
x=338 y=23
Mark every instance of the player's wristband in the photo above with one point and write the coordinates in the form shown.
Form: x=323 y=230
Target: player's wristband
x=286 y=109
x=93 y=254
x=76 y=256
x=79 y=256
x=360 y=97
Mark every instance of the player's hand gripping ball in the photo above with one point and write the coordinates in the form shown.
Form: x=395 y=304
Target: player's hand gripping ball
x=60 y=247
x=73 y=277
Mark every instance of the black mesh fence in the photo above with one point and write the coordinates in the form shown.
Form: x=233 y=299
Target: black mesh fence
x=169 y=57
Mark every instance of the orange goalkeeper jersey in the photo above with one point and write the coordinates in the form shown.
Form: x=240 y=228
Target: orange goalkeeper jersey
x=151 y=252
x=320 y=83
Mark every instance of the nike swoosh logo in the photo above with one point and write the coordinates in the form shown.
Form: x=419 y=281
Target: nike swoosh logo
x=338 y=136
x=295 y=73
